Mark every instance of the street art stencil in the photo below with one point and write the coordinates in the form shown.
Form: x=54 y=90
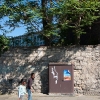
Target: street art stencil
x=55 y=74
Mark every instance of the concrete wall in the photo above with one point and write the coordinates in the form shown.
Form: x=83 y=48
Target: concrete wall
x=17 y=63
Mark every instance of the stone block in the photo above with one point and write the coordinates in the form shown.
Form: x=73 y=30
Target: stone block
x=78 y=54
x=79 y=82
x=88 y=49
x=76 y=79
x=44 y=58
x=83 y=54
x=83 y=63
x=79 y=58
x=88 y=54
x=78 y=67
x=42 y=48
x=48 y=52
x=97 y=54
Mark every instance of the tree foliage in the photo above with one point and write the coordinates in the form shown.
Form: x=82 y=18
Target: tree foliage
x=55 y=18
x=75 y=15
x=4 y=44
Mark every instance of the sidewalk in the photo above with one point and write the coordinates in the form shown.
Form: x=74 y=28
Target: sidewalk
x=47 y=97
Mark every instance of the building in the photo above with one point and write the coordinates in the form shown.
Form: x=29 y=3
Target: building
x=31 y=39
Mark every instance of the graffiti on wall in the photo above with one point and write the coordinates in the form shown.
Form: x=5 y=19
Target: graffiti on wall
x=55 y=74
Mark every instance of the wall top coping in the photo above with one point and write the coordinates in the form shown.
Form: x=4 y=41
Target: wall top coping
x=60 y=64
x=47 y=47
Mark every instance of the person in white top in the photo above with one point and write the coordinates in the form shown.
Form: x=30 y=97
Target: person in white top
x=22 y=89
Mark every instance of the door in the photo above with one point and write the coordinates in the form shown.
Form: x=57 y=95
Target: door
x=60 y=78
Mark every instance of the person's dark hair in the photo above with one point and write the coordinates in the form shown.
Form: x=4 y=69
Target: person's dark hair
x=32 y=74
x=22 y=80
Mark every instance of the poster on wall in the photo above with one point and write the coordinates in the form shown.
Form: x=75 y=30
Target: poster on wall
x=67 y=75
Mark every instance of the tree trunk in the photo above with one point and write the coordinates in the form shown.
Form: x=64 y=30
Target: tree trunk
x=43 y=3
x=46 y=19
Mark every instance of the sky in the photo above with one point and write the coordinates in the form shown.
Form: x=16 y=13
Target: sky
x=21 y=30
x=18 y=31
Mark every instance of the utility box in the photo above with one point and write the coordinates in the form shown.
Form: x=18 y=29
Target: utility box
x=61 y=78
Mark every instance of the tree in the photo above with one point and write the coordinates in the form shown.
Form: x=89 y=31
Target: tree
x=60 y=18
x=74 y=15
x=4 y=44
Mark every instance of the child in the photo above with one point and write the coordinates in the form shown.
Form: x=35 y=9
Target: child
x=22 y=89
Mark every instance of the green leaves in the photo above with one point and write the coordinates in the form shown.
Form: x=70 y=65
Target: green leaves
x=4 y=43
x=75 y=15
x=53 y=17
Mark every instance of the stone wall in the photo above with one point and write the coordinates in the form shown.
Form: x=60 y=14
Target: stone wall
x=17 y=63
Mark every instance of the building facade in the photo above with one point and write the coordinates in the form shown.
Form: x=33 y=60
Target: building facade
x=26 y=40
